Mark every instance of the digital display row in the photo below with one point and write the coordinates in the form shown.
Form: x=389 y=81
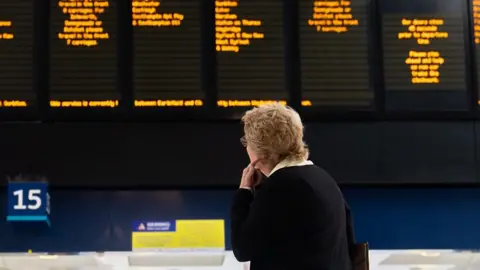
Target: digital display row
x=250 y=50
x=424 y=54
x=415 y=51
x=83 y=49
x=334 y=42
x=167 y=53
x=16 y=54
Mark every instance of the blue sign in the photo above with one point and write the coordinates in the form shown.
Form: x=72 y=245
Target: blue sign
x=28 y=201
x=154 y=226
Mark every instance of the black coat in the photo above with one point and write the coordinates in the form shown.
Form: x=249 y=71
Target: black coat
x=297 y=220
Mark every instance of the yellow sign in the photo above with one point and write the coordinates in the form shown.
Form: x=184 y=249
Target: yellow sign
x=180 y=235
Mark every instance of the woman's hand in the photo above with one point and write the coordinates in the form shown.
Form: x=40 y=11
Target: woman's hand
x=250 y=177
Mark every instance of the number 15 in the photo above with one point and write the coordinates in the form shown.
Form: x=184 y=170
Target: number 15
x=33 y=197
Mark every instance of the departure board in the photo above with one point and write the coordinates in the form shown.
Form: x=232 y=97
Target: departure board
x=334 y=53
x=167 y=53
x=250 y=52
x=424 y=55
x=476 y=35
x=83 y=48
x=16 y=54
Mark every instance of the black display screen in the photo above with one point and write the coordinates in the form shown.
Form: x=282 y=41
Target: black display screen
x=16 y=54
x=424 y=55
x=334 y=53
x=83 y=61
x=167 y=38
x=250 y=52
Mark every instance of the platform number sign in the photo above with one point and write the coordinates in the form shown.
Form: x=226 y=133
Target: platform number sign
x=28 y=201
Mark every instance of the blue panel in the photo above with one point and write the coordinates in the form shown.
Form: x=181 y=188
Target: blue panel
x=399 y=218
x=387 y=218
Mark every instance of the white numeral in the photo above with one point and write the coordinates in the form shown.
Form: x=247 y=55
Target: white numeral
x=35 y=202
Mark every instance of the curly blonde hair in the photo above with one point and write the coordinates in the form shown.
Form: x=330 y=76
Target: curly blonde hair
x=274 y=132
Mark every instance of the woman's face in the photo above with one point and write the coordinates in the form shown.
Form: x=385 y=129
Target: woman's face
x=259 y=165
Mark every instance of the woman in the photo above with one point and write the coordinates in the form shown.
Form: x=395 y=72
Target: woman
x=297 y=219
